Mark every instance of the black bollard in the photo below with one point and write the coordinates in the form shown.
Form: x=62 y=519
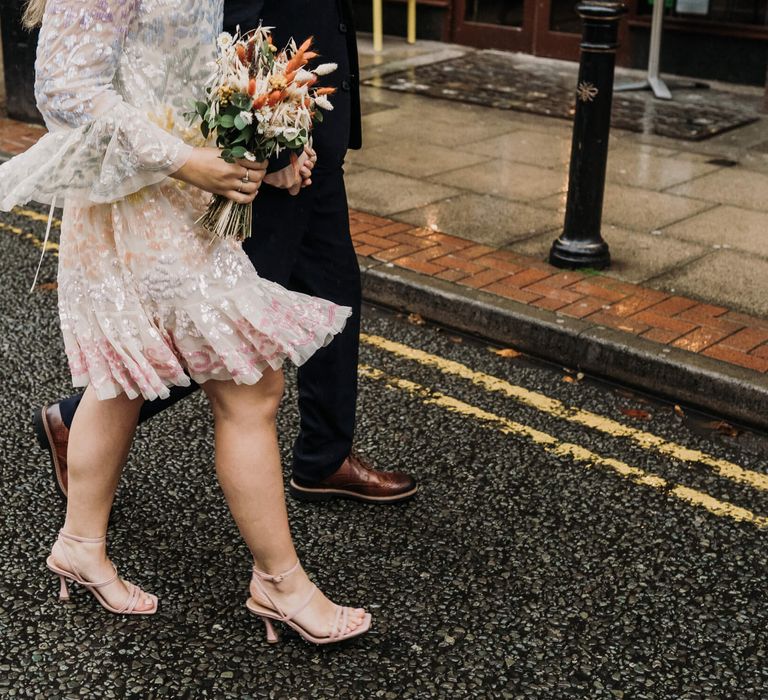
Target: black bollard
x=581 y=244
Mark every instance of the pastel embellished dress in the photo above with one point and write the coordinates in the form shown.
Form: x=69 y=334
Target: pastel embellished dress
x=146 y=298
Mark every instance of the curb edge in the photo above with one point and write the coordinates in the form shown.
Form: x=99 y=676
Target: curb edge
x=675 y=374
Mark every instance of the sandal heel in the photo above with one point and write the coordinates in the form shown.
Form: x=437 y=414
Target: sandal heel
x=64 y=589
x=69 y=574
x=272 y=637
x=339 y=629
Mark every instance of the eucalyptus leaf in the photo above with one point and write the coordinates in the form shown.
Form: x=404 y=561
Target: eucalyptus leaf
x=226 y=120
x=242 y=101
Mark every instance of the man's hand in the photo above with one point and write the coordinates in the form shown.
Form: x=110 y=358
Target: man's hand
x=295 y=175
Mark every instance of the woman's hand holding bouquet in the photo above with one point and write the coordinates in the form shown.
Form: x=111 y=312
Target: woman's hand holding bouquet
x=261 y=101
x=207 y=170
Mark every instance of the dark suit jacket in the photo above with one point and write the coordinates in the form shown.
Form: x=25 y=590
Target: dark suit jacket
x=331 y=22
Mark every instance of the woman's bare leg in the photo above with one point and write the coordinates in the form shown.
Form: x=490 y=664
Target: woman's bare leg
x=249 y=471
x=99 y=441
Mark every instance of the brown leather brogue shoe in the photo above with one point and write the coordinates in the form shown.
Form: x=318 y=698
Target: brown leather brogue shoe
x=359 y=481
x=53 y=436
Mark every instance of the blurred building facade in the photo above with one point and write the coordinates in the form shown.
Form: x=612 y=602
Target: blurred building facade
x=709 y=39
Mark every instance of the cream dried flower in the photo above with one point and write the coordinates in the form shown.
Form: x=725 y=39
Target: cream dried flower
x=324 y=103
x=277 y=81
x=325 y=68
x=247 y=117
x=303 y=76
x=224 y=40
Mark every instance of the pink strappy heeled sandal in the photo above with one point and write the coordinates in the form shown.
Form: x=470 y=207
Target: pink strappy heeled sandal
x=337 y=633
x=135 y=593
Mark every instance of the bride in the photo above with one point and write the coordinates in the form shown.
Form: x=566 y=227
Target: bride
x=147 y=301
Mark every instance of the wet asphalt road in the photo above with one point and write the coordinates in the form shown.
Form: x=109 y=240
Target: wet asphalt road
x=524 y=569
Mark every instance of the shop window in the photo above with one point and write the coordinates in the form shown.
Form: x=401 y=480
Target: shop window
x=501 y=12
x=563 y=17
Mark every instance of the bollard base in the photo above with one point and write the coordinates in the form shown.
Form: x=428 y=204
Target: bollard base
x=575 y=255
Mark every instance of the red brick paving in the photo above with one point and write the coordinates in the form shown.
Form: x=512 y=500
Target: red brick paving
x=668 y=319
x=16 y=137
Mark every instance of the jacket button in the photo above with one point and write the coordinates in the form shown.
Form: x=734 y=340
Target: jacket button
x=345 y=85
x=343 y=28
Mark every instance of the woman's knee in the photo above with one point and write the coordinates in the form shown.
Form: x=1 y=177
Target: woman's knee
x=272 y=388
x=246 y=403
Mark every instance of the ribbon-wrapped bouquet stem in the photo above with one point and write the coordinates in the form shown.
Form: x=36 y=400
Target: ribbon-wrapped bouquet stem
x=260 y=101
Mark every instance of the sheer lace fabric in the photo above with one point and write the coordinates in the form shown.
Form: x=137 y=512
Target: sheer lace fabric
x=144 y=295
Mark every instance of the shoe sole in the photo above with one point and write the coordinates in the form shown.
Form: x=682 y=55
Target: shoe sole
x=310 y=495
x=44 y=439
x=258 y=611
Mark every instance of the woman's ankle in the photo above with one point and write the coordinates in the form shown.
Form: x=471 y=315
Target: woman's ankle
x=276 y=567
x=90 y=552
x=278 y=579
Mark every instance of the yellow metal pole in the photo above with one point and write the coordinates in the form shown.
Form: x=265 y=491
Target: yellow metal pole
x=411 y=21
x=378 y=26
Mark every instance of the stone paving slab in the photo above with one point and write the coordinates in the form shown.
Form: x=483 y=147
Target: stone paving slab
x=637 y=208
x=741 y=188
x=516 y=181
x=726 y=227
x=635 y=256
x=492 y=220
x=389 y=193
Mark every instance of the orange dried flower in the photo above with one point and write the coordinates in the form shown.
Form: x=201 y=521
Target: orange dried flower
x=296 y=62
x=307 y=43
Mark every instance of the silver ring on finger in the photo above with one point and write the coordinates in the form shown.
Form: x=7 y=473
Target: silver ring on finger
x=239 y=189
x=246 y=177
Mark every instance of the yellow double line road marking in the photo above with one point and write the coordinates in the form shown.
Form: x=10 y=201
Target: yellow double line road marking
x=37 y=242
x=558 y=409
x=27 y=235
x=556 y=447
x=36 y=216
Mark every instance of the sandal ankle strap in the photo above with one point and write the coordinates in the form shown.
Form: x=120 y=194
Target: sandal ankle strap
x=77 y=538
x=277 y=578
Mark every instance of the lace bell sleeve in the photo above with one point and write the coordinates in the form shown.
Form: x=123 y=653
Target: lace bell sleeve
x=99 y=148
